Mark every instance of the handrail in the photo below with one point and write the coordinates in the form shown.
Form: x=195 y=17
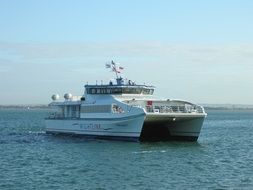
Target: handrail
x=175 y=109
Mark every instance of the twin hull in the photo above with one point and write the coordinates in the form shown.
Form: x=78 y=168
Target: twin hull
x=143 y=127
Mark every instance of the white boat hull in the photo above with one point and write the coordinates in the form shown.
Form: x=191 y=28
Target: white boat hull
x=119 y=128
x=150 y=127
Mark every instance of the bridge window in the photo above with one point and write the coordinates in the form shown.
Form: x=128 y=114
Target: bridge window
x=93 y=91
x=120 y=90
x=146 y=91
x=131 y=90
x=117 y=91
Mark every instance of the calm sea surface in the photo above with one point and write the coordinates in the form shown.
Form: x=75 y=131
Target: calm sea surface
x=31 y=159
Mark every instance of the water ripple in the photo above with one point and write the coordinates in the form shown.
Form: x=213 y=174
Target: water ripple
x=31 y=159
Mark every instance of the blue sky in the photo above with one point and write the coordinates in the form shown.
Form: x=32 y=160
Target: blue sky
x=200 y=51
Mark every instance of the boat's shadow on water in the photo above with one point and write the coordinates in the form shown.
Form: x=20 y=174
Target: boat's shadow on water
x=133 y=146
x=35 y=137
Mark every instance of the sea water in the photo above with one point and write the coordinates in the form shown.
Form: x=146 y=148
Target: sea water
x=30 y=159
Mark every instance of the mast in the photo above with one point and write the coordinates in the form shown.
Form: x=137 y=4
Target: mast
x=116 y=69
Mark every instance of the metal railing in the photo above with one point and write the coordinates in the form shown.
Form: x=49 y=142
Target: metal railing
x=175 y=109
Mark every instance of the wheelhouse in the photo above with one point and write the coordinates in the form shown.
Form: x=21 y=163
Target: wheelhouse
x=118 y=90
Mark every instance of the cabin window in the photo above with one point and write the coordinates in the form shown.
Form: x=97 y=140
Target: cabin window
x=116 y=90
x=131 y=90
x=93 y=91
x=73 y=111
x=138 y=90
x=146 y=91
x=120 y=91
x=117 y=109
x=96 y=109
x=103 y=91
x=108 y=91
x=70 y=111
x=126 y=91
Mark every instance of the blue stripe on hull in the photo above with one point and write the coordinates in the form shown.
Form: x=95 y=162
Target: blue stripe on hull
x=106 y=137
x=100 y=119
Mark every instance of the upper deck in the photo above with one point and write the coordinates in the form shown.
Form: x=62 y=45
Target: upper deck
x=121 y=87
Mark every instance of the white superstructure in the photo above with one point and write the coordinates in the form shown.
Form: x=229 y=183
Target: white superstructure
x=124 y=110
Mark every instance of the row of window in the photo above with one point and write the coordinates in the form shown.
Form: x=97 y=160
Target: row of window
x=119 y=91
x=102 y=109
x=68 y=112
x=96 y=109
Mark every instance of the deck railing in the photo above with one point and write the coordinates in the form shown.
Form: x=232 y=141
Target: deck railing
x=175 y=109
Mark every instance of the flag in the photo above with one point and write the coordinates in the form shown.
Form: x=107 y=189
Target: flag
x=114 y=69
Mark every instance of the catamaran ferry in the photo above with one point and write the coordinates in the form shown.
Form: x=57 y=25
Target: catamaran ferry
x=124 y=110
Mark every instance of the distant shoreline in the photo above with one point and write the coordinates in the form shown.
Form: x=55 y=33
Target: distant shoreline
x=227 y=108
x=24 y=107
x=207 y=107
